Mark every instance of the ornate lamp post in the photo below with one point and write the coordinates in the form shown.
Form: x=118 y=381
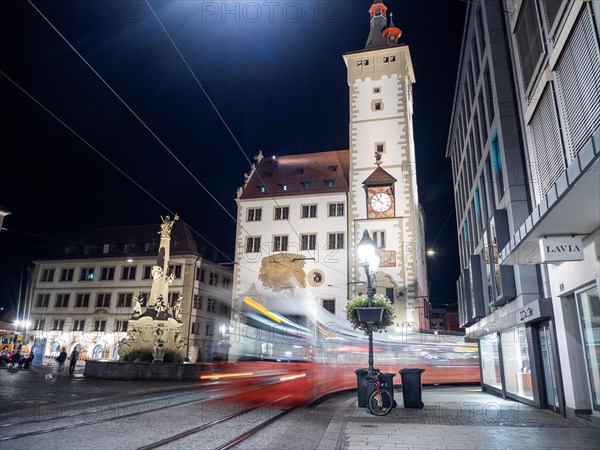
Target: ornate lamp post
x=368 y=257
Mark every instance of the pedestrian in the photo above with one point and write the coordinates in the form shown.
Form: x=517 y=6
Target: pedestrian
x=16 y=359
x=74 y=356
x=60 y=359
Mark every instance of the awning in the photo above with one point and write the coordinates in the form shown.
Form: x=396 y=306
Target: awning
x=570 y=208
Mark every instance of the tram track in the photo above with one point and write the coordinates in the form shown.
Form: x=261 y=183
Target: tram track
x=101 y=420
x=114 y=421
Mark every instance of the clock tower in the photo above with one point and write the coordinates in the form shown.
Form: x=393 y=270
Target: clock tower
x=383 y=196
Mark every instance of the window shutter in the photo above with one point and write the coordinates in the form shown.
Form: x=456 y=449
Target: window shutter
x=578 y=84
x=547 y=155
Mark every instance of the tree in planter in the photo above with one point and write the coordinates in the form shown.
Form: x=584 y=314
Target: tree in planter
x=378 y=301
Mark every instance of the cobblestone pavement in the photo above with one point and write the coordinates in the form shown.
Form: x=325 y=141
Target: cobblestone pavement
x=455 y=418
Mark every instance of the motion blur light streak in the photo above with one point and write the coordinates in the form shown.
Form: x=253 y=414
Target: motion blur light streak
x=216 y=376
x=292 y=377
x=262 y=309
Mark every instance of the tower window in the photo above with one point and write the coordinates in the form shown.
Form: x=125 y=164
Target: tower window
x=376 y=90
x=263 y=189
x=377 y=106
x=358 y=63
x=366 y=62
x=386 y=59
x=392 y=58
x=380 y=147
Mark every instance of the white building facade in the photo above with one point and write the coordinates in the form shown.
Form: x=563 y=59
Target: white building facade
x=85 y=298
x=320 y=204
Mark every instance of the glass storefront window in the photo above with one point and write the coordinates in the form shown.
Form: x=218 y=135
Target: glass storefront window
x=490 y=361
x=589 y=315
x=517 y=370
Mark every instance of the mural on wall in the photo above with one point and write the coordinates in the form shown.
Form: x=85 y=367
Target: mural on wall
x=283 y=272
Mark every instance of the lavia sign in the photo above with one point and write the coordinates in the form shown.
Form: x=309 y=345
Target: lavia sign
x=561 y=248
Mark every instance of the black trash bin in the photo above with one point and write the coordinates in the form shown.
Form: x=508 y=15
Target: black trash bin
x=387 y=384
x=411 y=388
x=363 y=387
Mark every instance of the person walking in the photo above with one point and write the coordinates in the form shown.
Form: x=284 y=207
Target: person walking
x=60 y=359
x=74 y=356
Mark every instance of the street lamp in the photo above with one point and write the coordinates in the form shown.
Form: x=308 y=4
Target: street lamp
x=368 y=257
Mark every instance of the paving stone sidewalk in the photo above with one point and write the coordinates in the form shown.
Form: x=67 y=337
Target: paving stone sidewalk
x=456 y=418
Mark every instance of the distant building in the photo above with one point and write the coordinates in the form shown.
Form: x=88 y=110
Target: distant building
x=301 y=217
x=525 y=143
x=85 y=296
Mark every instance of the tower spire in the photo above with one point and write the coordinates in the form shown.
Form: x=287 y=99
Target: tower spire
x=378 y=24
x=392 y=33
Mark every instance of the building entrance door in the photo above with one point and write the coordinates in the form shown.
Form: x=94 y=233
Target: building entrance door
x=548 y=365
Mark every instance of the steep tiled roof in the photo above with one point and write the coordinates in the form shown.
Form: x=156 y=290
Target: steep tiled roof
x=305 y=174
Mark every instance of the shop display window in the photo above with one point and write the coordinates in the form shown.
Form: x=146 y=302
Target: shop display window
x=490 y=361
x=588 y=303
x=517 y=368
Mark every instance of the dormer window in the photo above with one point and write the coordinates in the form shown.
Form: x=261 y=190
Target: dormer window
x=329 y=183
x=307 y=185
x=284 y=187
x=333 y=168
x=263 y=189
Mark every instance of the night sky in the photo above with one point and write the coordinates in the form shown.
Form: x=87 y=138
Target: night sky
x=273 y=70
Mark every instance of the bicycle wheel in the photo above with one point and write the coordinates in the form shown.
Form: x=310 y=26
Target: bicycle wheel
x=380 y=403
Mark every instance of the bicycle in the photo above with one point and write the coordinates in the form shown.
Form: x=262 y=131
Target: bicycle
x=380 y=401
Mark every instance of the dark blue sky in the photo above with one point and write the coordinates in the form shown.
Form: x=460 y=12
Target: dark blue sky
x=274 y=71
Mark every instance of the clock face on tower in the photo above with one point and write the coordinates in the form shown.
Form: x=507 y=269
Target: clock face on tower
x=380 y=202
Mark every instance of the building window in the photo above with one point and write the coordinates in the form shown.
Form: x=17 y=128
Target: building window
x=175 y=270
x=147 y=273
x=308 y=241
x=47 y=275
x=87 y=274
x=211 y=305
x=307 y=185
x=124 y=300
x=58 y=325
x=376 y=90
x=173 y=296
x=497 y=165
x=389 y=294
x=335 y=241
x=200 y=274
x=43 y=300
x=226 y=282
x=103 y=301
x=263 y=189
x=99 y=325
x=254 y=214
x=529 y=41
x=377 y=106
x=66 y=275
x=284 y=187
x=329 y=183
x=223 y=309
x=82 y=300
x=517 y=366
x=359 y=63
x=336 y=209
x=107 y=274
x=379 y=238
x=490 y=361
x=213 y=279
x=62 y=301
x=589 y=317
x=195 y=328
x=128 y=273
x=38 y=324
x=280 y=243
x=282 y=213
x=309 y=211
x=329 y=305
x=197 y=302
x=210 y=329
x=252 y=244
x=78 y=325
x=121 y=325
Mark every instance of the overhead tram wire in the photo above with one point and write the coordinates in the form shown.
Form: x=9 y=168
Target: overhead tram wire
x=150 y=131
x=109 y=162
x=225 y=125
x=24 y=91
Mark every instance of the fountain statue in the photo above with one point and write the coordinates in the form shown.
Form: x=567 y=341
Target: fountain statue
x=154 y=329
